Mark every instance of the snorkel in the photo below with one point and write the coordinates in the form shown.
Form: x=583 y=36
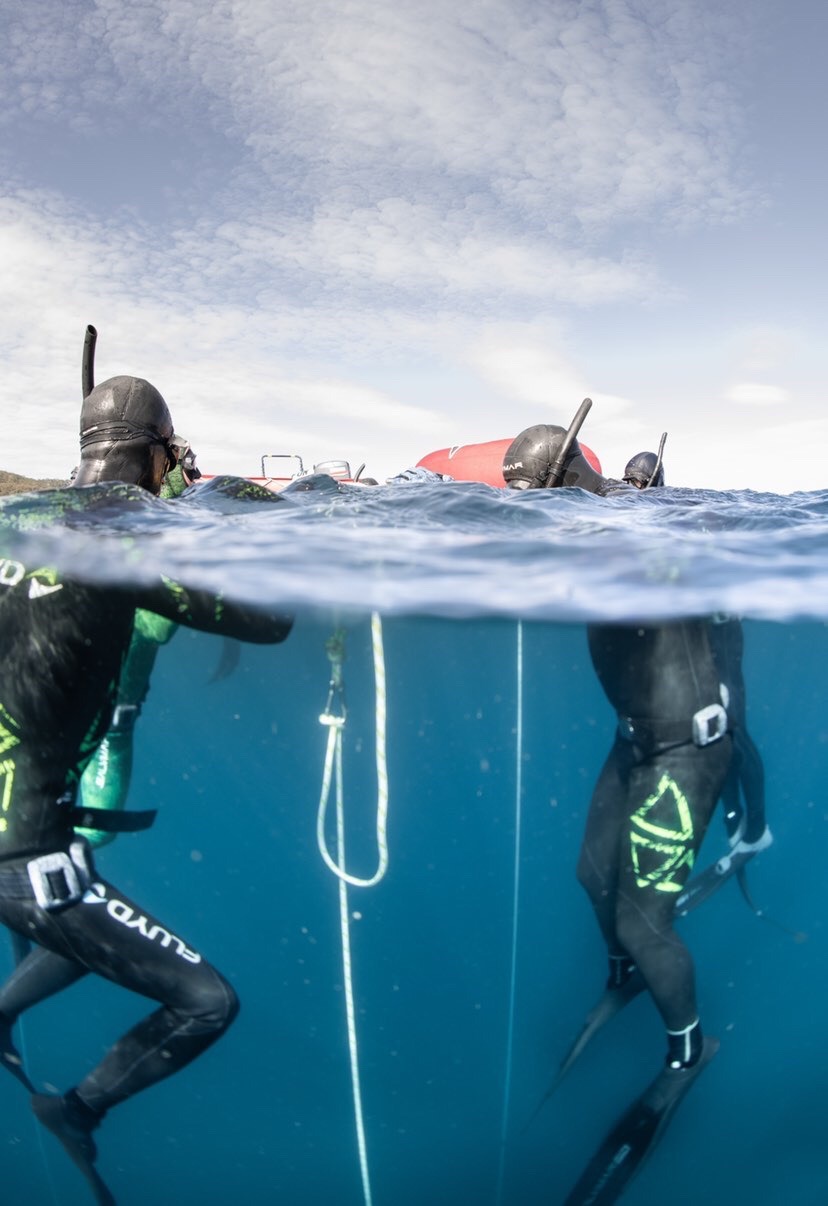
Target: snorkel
x=124 y=422
x=556 y=469
x=88 y=361
x=657 y=466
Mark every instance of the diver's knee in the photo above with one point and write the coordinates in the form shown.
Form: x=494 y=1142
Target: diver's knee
x=216 y=1006
x=635 y=930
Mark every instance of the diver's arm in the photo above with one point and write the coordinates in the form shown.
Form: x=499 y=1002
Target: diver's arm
x=211 y=612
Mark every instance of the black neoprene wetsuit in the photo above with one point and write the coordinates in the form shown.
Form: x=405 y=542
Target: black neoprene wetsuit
x=62 y=645
x=654 y=797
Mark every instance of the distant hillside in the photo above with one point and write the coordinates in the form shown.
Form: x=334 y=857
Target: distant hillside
x=13 y=483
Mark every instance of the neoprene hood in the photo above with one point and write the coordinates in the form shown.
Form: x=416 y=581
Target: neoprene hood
x=125 y=434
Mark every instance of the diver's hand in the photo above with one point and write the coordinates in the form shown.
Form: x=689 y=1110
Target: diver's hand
x=418 y=473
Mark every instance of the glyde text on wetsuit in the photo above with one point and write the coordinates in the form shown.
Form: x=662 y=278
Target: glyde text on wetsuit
x=127 y=916
x=10 y=571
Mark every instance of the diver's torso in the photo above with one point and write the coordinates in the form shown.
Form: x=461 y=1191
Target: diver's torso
x=665 y=672
x=61 y=650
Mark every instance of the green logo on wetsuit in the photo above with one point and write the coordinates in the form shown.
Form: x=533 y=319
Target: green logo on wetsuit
x=6 y=785
x=8 y=740
x=8 y=737
x=661 y=837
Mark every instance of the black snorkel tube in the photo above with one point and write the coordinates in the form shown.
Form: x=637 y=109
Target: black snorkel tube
x=654 y=473
x=88 y=362
x=556 y=469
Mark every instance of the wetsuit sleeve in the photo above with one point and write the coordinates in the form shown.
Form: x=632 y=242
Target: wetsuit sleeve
x=157 y=629
x=209 y=612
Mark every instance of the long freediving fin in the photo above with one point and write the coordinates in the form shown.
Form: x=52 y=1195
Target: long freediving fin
x=702 y=886
x=79 y=1147
x=611 y=1003
x=228 y=661
x=636 y=1134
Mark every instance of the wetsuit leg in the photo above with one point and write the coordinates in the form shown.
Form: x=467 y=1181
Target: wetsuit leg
x=40 y=975
x=606 y=829
x=109 y=934
x=671 y=798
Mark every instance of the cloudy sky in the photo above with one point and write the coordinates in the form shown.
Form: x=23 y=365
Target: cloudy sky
x=367 y=229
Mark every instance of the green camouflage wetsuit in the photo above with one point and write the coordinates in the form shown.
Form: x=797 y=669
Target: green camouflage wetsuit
x=62 y=649
x=105 y=782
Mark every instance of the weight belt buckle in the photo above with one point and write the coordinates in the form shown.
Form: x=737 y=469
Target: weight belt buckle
x=59 y=880
x=709 y=724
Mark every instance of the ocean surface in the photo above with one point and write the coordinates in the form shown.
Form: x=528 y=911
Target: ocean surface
x=476 y=956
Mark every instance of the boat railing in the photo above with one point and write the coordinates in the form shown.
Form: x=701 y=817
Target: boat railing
x=283 y=456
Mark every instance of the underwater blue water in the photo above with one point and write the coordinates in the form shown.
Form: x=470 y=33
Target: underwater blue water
x=235 y=768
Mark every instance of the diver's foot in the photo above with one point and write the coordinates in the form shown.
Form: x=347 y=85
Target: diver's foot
x=9 y=1056
x=619 y=991
x=71 y=1121
x=684 y=1047
x=637 y=1133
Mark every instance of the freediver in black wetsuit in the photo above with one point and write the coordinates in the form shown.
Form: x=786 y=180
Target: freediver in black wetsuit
x=649 y=812
x=62 y=648
x=651 y=807
x=743 y=794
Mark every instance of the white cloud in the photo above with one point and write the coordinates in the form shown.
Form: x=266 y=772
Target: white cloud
x=766 y=347
x=755 y=394
x=423 y=204
x=526 y=365
x=556 y=113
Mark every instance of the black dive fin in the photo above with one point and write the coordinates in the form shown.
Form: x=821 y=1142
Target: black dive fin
x=635 y=1135
x=611 y=1003
x=228 y=661
x=797 y=935
x=78 y=1145
x=702 y=886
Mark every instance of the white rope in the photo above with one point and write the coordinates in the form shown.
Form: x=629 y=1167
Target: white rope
x=348 y=982
x=510 y=1030
x=336 y=723
x=334 y=718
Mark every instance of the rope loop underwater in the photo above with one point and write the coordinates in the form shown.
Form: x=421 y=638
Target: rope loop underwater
x=333 y=718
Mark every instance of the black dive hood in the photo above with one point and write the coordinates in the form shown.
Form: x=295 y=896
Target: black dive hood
x=645 y=468
x=123 y=422
x=546 y=456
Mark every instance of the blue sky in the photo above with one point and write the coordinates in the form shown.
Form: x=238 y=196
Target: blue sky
x=366 y=229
